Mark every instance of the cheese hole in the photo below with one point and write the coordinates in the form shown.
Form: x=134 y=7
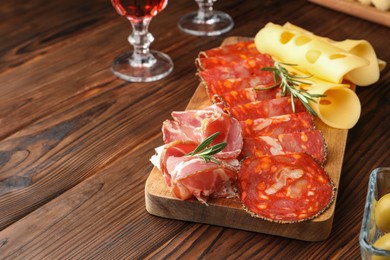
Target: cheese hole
x=285 y=37
x=301 y=40
x=312 y=56
x=336 y=56
x=325 y=102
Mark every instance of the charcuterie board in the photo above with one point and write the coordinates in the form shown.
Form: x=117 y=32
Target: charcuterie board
x=161 y=202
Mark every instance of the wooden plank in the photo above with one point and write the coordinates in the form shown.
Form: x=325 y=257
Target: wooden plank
x=357 y=9
x=228 y=212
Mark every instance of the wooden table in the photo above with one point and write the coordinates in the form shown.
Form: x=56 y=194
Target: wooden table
x=76 y=141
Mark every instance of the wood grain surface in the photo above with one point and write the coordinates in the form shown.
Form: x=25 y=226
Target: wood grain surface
x=355 y=8
x=161 y=201
x=75 y=141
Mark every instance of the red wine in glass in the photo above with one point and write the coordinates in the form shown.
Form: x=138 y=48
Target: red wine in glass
x=135 y=9
x=142 y=64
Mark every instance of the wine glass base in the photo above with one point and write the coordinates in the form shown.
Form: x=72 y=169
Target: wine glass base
x=161 y=66
x=218 y=24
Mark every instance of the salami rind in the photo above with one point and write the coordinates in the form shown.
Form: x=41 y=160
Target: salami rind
x=265 y=108
x=284 y=188
x=310 y=142
x=273 y=126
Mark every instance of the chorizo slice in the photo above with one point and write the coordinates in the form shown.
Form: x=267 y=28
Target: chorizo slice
x=247 y=47
x=284 y=188
x=311 y=142
x=247 y=95
x=246 y=68
x=265 y=108
x=232 y=60
x=273 y=126
x=219 y=87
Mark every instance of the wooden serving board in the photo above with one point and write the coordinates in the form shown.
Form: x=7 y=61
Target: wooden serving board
x=354 y=8
x=160 y=201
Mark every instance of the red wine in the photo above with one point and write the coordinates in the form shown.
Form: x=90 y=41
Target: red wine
x=136 y=9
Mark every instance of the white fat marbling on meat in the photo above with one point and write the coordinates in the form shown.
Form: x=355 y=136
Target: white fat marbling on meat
x=155 y=159
x=281 y=179
x=274 y=144
x=261 y=123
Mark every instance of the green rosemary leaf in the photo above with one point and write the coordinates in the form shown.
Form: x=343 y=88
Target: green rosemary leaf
x=213 y=149
x=206 y=142
x=288 y=83
x=205 y=152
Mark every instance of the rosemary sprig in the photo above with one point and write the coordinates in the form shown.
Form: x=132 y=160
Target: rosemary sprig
x=289 y=82
x=205 y=152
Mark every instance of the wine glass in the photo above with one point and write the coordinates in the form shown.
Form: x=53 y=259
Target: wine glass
x=206 y=21
x=141 y=64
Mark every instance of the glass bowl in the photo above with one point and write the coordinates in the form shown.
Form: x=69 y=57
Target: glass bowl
x=379 y=185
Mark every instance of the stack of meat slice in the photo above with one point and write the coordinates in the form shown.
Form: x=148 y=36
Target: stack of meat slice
x=190 y=175
x=281 y=177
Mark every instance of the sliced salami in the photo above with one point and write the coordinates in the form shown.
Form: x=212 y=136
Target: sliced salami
x=219 y=87
x=284 y=188
x=232 y=60
x=273 y=126
x=246 y=68
x=310 y=142
x=247 y=95
x=265 y=108
x=244 y=47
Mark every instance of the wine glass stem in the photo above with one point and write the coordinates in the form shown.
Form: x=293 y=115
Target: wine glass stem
x=141 y=39
x=205 y=10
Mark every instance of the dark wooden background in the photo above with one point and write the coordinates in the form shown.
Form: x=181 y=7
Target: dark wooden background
x=75 y=141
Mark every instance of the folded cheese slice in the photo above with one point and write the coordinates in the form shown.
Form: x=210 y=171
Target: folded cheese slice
x=362 y=76
x=326 y=59
x=340 y=108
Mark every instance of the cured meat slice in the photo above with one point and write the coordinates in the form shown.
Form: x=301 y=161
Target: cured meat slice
x=190 y=176
x=243 y=47
x=176 y=149
x=219 y=87
x=247 y=95
x=195 y=117
x=173 y=130
x=246 y=68
x=284 y=188
x=273 y=126
x=197 y=125
x=232 y=60
x=310 y=142
x=265 y=108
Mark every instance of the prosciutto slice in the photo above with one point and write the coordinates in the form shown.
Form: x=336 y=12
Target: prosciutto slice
x=197 y=125
x=190 y=176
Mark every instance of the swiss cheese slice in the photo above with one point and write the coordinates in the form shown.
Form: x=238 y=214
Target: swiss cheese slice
x=339 y=108
x=362 y=76
x=319 y=56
